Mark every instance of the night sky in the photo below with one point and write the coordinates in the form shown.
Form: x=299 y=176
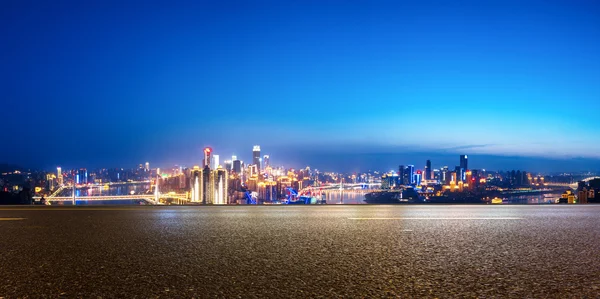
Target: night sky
x=339 y=85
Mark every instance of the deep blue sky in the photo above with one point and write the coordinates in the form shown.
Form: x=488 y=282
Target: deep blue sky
x=99 y=83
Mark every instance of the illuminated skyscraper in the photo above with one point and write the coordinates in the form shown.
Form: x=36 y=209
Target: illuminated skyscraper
x=460 y=172
x=207 y=156
x=59 y=176
x=428 y=170
x=402 y=177
x=196 y=178
x=464 y=162
x=219 y=182
x=256 y=156
x=206 y=188
x=82 y=176
x=266 y=161
x=411 y=173
x=417 y=178
x=209 y=186
x=147 y=168
x=445 y=175
x=215 y=162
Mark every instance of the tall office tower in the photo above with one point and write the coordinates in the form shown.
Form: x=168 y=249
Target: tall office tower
x=402 y=175
x=228 y=165
x=147 y=167
x=82 y=176
x=256 y=156
x=417 y=178
x=410 y=169
x=266 y=161
x=206 y=188
x=428 y=170
x=460 y=173
x=237 y=166
x=207 y=157
x=219 y=182
x=59 y=176
x=196 y=178
x=215 y=162
x=445 y=175
x=464 y=162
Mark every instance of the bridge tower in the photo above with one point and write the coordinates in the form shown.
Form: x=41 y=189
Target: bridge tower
x=156 y=191
x=74 y=192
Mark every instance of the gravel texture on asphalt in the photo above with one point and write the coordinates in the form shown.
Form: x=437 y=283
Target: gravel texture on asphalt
x=544 y=251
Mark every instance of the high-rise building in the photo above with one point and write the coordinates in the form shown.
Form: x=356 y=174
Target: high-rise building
x=214 y=162
x=460 y=173
x=196 y=177
x=428 y=170
x=401 y=175
x=406 y=174
x=207 y=157
x=436 y=175
x=237 y=166
x=256 y=156
x=209 y=186
x=411 y=174
x=219 y=182
x=206 y=188
x=228 y=164
x=147 y=168
x=445 y=175
x=266 y=161
x=82 y=176
x=464 y=162
x=59 y=177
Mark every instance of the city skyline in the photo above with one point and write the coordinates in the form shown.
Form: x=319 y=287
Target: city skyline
x=300 y=149
x=359 y=163
x=314 y=82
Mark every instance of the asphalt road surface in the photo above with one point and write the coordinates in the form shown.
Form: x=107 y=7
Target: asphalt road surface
x=550 y=251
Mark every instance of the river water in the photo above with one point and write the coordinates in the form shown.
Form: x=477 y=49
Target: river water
x=111 y=190
x=331 y=197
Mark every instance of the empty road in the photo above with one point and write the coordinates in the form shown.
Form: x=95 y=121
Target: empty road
x=549 y=251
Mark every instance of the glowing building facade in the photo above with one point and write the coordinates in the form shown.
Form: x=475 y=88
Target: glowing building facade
x=256 y=156
x=209 y=186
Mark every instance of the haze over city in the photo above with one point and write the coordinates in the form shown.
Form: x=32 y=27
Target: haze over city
x=317 y=83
